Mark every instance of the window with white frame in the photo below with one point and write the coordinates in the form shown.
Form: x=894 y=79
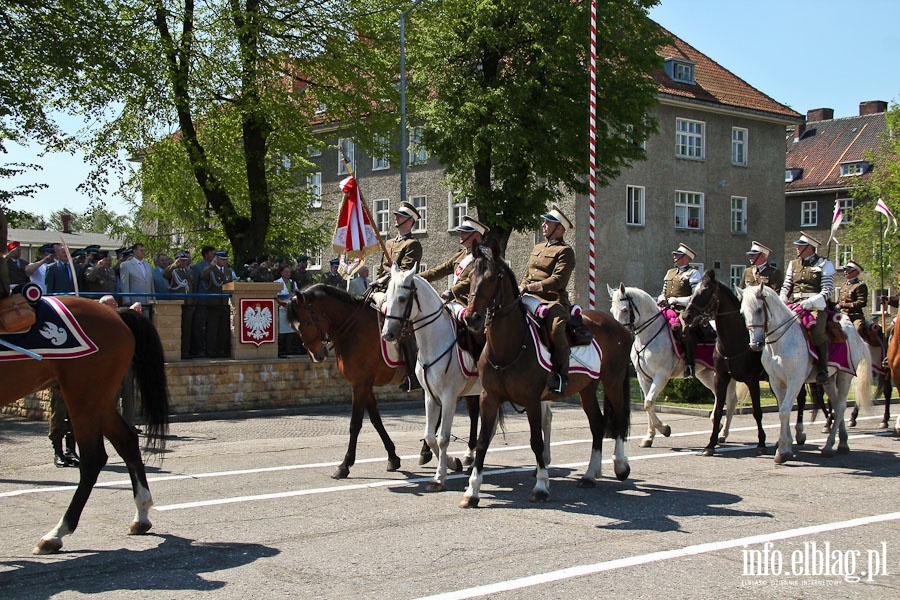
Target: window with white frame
x=421 y=204
x=843 y=253
x=852 y=169
x=314 y=185
x=738 y=214
x=684 y=72
x=313 y=150
x=379 y=163
x=846 y=205
x=459 y=207
x=735 y=272
x=346 y=155
x=417 y=153
x=383 y=215
x=739 y=146
x=689 y=138
x=688 y=210
x=315 y=260
x=809 y=213
x=634 y=205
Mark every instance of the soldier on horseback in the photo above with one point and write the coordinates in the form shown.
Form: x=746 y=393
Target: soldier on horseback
x=679 y=283
x=549 y=268
x=760 y=271
x=809 y=282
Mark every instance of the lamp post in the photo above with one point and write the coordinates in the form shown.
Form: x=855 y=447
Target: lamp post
x=404 y=151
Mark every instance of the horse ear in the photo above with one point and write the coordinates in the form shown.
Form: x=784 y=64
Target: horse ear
x=621 y=288
x=610 y=290
x=394 y=269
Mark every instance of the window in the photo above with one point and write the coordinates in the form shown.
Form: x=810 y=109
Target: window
x=383 y=216
x=459 y=208
x=312 y=151
x=417 y=153
x=843 y=253
x=852 y=169
x=739 y=146
x=680 y=70
x=688 y=210
x=738 y=214
x=792 y=175
x=735 y=272
x=314 y=185
x=846 y=205
x=284 y=165
x=321 y=108
x=634 y=205
x=380 y=163
x=809 y=213
x=315 y=260
x=689 y=138
x=346 y=155
x=421 y=204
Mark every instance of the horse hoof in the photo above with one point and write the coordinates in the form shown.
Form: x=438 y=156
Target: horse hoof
x=826 y=429
x=647 y=443
x=469 y=502
x=801 y=438
x=425 y=458
x=780 y=458
x=539 y=496
x=456 y=465
x=760 y=450
x=341 y=472
x=138 y=528
x=709 y=452
x=468 y=461
x=393 y=464
x=434 y=486
x=843 y=450
x=47 y=547
x=624 y=473
x=586 y=483
x=665 y=430
x=883 y=425
x=722 y=440
x=852 y=423
x=827 y=452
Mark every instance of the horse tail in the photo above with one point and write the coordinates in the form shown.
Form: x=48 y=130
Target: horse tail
x=149 y=370
x=864 y=380
x=618 y=418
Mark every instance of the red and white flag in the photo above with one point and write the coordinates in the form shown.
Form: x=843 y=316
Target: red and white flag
x=354 y=234
x=881 y=207
x=836 y=221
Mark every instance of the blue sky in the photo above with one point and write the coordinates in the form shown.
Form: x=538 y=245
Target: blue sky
x=803 y=53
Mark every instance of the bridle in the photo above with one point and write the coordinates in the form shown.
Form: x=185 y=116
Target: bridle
x=317 y=317
x=406 y=322
x=493 y=311
x=765 y=324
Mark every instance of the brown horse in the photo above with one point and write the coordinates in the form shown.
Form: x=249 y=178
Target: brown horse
x=510 y=371
x=324 y=314
x=89 y=392
x=893 y=355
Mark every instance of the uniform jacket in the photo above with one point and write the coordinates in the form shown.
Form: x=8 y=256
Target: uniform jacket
x=808 y=278
x=551 y=264
x=679 y=284
x=460 y=266
x=180 y=281
x=853 y=298
x=769 y=275
x=404 y=251
x=334 y=279
x=302 y=278
x=100 y=280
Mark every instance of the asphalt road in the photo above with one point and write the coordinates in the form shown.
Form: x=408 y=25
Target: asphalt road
x=246 y=508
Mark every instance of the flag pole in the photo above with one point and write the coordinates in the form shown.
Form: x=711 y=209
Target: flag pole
x=881 y=265
x=365 y=204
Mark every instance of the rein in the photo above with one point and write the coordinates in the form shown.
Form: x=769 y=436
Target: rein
x=784 y=325
x=491 y=312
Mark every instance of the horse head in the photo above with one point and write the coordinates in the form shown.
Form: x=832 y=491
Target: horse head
x=704 y=302
x=399 y=301
x=309 y=322
x=755 y=310
x=632 y=307
x=492 y=288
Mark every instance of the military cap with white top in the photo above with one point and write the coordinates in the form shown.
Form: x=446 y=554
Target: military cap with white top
x=807 y=240
x=469 y=224
x=757 y=248
x=852 y=264
x=556 y=216
x=408 y=210
x=685 y=249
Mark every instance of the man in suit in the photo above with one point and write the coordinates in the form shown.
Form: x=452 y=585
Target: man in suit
x=59 y=279
x=360 y=283
x=136 y=276
x=160 y=262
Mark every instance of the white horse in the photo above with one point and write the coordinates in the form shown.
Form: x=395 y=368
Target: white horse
x=776 y=330
x=654 y=357
x=410 y=300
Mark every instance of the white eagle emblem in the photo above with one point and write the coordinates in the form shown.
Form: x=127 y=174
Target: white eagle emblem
x=257 y=321
x=56 y=334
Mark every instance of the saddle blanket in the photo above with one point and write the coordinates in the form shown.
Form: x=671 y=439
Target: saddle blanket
x=390 y=352
x=55 y=334
x=583 y=360
x=838 y=357
x=703 y=353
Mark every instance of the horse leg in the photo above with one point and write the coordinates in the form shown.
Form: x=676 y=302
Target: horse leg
x=432 y=417
x=598 y=426
x=801 y=406
x=541 y=491
x=378 y=424
x=885 y=421
x=488 y=409
x=838 y=387
x=546 y=423
x=785 y=449
x=722 y=383
x=93 y=459
x=730 y=405
x=472 y=408
x=357 y=409
x=125 y=440
x=753 y=386
x=654 y=422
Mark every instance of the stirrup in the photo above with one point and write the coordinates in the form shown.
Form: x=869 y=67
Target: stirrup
x=688 y=371
x=821 y=378
x=557 y=384
x=410 y=385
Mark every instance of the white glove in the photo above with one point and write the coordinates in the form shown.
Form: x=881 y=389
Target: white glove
x=661 y=299
x=806 y=304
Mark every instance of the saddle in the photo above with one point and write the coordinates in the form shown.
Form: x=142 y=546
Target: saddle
x=16 y=314
x=577 y=333
x=468 y=341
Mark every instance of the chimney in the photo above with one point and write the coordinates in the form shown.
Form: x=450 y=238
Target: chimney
x=66 y=222
x=799 y=130
x=819 y=114
x=872 y=107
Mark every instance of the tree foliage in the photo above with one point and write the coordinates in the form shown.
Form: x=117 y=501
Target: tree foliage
x=506 y=92
x=868 y=226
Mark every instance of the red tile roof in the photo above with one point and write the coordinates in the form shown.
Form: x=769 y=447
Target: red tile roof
x=714 y=83
x=826 y=144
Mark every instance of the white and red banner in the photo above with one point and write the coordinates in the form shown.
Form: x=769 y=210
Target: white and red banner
x=354 y=234
x=257 y=321
x=881 y=207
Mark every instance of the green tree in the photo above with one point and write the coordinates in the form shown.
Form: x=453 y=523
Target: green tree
x=865 y=230
x=506 y=87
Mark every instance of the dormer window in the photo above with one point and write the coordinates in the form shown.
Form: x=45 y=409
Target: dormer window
x=853 y=168
x=792 y=175
x=680 y=70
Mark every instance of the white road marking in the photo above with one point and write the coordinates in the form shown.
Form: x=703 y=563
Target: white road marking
x=630 y=561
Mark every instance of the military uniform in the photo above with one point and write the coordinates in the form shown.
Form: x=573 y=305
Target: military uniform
x=334 y=279
x=405 y=251
x=854 y=297
x=768 y=275
x=100 y=279
x=460 y=266
x=218 y=325
x=678 y=285
x=181 y=281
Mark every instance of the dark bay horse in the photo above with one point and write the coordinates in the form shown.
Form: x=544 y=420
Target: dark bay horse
x=732 y=356
x=324 y=314
x=510 y=371
x=88 y=386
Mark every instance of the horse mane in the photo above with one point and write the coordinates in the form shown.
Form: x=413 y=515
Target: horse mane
x=484 y=260
x=709 y=278
x=322 y=290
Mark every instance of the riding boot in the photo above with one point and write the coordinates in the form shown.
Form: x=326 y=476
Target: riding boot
x=59 y=458
x=687 y=342
x=822 y=375
x=559 y=357
x=71 y=455
x=410 y=352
